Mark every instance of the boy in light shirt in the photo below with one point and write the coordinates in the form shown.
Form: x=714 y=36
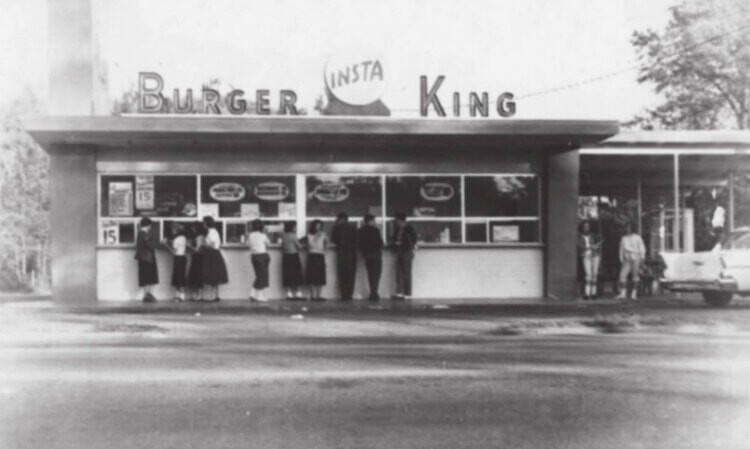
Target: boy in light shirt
x=632 y=254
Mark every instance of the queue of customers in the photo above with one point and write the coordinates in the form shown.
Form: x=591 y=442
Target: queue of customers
x=199 y=267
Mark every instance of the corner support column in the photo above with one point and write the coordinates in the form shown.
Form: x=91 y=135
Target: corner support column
x=73 y=225
x=562 y=225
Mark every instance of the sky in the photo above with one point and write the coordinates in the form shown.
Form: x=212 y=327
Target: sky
x=494 y=46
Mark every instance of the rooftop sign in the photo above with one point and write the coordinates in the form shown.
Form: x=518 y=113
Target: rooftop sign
x=152 y=100
x=354 y=88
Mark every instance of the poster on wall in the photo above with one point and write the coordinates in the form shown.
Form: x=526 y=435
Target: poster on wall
x=287 y=210
x=210 y=210
x=505 y=233
x=120 y=199
x=250 y=210
x=144 y=192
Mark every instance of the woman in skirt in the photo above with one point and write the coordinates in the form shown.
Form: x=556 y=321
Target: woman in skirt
x=148 y=274
x=291 y=267
x=178 y=248
x=213 y=267
x=194 y=281
x=317 y=244
x=258 y=242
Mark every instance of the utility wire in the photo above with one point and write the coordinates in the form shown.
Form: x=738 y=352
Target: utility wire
x=612 y=74
x=656 y=63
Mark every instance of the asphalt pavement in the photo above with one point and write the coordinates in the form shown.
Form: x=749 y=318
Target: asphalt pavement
x=650 y=375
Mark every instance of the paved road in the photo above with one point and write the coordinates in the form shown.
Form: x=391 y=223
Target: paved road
x=185 y=381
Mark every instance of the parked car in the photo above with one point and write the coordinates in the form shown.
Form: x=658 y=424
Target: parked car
x=718 y=274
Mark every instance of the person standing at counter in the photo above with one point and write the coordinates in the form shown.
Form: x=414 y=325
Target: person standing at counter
x=258 y=242
x=178 y=248
x=405 y=243
x=317 y=244
x=291 y=267
x=344 y=236
x=145 y=245
x=370 y=242
x=213 y=267
x=590 y=253
x=632 y=253
x=194 y=281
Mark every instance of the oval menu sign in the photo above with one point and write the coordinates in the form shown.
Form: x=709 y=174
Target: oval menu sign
x=357 y=81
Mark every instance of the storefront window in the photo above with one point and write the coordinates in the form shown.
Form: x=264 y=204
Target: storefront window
x=248 y=197
x=115 y=232
x=237 y=232
x=423 y=196
x=501 y=196
x=742 y=200
x=443 y=209
x=148 y=196
x=329 y=195
x=431 y=231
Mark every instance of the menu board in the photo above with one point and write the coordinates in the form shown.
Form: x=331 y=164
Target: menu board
x=149 y=195
x=423 y=196
x=329 y=195
x=250 y=197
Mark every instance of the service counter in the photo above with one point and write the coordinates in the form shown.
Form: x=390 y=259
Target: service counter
x=440 y=271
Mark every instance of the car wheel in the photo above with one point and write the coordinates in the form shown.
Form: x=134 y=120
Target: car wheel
x=717 y=299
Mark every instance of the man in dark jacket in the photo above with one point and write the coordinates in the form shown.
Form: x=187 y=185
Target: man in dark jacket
x=148 y=275
x=370 y=242
x=405 y=242
x=344 y=236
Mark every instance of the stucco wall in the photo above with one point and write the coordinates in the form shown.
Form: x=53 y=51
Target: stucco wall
x=490 y=274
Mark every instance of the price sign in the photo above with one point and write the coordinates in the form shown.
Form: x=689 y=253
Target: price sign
x=110 y=233
x=144 y=192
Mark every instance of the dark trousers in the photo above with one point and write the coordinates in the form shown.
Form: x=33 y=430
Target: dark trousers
x=374 y=265
x=404 y=262
x=260 y=264
x=346 y=265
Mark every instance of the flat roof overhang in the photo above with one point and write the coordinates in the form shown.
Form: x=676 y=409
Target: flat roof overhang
x=55 y=133
x=705 y=159
x=676 y=140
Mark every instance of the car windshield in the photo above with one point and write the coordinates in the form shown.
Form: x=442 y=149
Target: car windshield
x=736 y=240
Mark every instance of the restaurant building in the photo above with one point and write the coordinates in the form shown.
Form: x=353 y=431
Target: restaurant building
x=494 y=201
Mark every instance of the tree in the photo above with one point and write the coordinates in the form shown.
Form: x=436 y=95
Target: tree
x=700 y=64
x=24 y=197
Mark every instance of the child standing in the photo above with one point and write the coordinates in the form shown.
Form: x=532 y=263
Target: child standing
x=148 y=274
x=291 y=267
x=178 y=248
x=317 y=244
x=259 y=258
x=213 y=267
x=590 y=253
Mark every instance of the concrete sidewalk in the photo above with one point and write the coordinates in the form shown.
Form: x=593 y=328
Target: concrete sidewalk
x=521 y=307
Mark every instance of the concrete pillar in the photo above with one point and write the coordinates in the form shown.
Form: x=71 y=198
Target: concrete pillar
x=730 y=224
x=77 y=76
x=73 y=225
x=676 y=224
x=562 y=224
